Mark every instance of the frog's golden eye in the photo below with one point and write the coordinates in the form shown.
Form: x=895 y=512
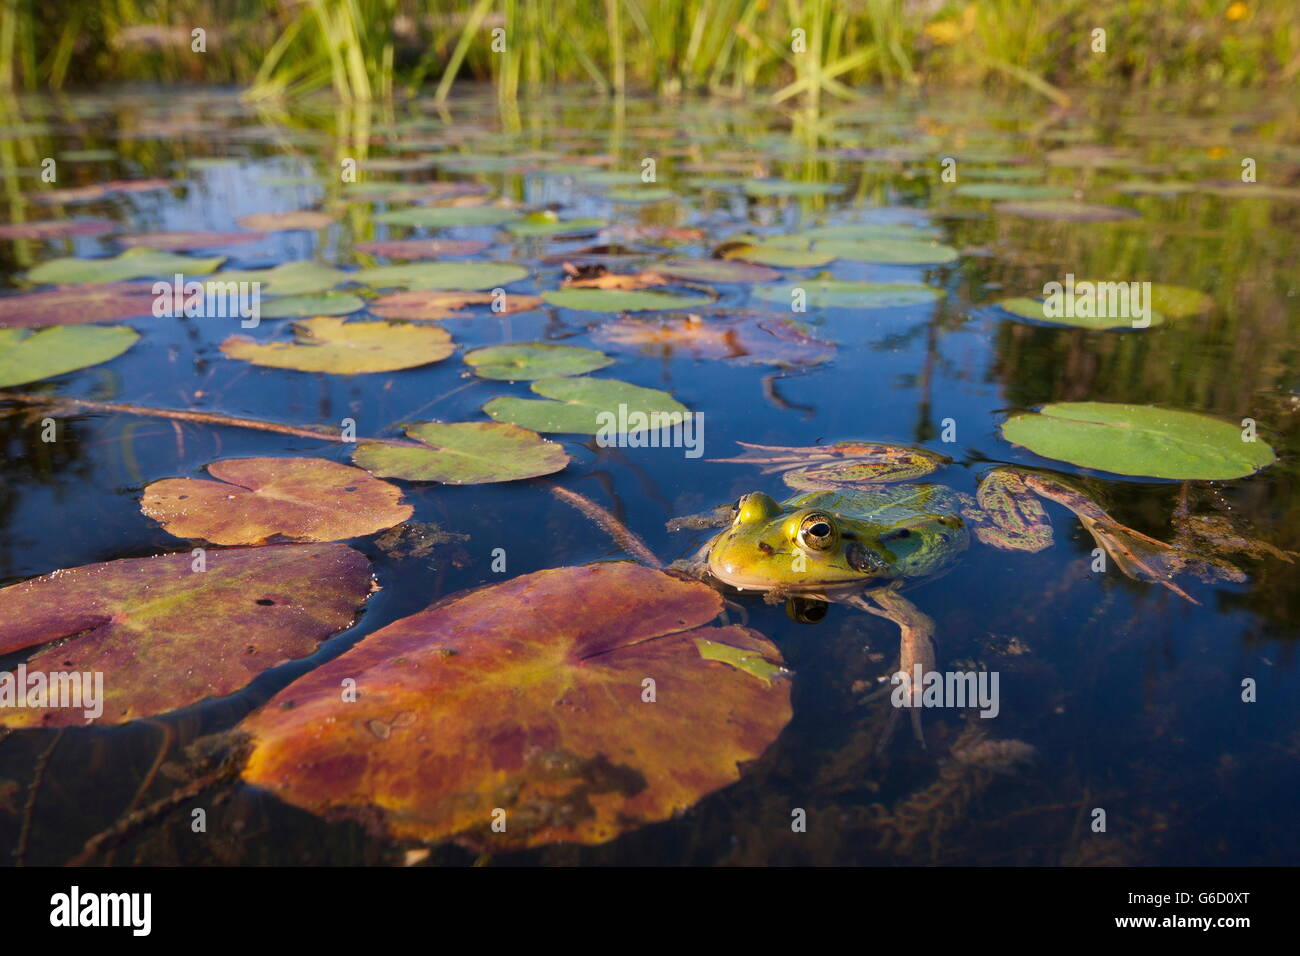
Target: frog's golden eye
x=817 y=531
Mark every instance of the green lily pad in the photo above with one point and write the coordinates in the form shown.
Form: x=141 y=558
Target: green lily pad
x=290 y=278
x=548 y=225
x=31 y=356
x=1034 y=309
x=1139 y=440
x=451 y=276
x=464 y=453
x=715 y=270
x=165 y=634
x=132 y=264
x=862 y=230
x=1065 y=211
x=325 y=303
x=783 y=257
x=446 y=217
x=586 y=406
x=851 y=294
x=618 y=300
x=532 y=360
x=333 y=345
x=892 y=251
x=786 y=187
x=1012 y=191
x=640 y=195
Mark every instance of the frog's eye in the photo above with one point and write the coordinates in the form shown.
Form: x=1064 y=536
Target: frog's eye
x=817 y=531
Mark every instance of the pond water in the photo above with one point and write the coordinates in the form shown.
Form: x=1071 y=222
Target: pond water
x=1130 y=696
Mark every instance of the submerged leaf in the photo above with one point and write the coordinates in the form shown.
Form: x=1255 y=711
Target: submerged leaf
x=464 y=453
x=257 y=500
x=31 y=356
x=166 y=635
x=528 y=696
x=327 y=344
x=1139 y=440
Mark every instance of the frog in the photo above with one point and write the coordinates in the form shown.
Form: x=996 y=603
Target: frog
x=861 y=529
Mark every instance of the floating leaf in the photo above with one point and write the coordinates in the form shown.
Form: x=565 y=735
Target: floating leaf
x=289 y=278
x=532 y=360
x=756 y=338
x=326 y=344
x=31 y=356
x=324 y=303
x=286 y=221
x=844 y=464
x=57 y=229
x=446 y=217
x=786 y=187
x=861 y=230
x=1011 y=191
x=464 y=453
x=640 y=194
x=850 y=294
x=442 y=275
x=187 y=241
x=1065 y=211
x=526 y=696
x=434 y=305
x=616 y=300
x=1139 y=440
x=100 y=190
x=422 y=248
x=166 y=635
x=132 y=264
x=585 y=405
x=892 y=251
x=261 y=500
x=78 y=304
x=550 y=226
x=1035 y=309
x=781 y=256
x=715 y=270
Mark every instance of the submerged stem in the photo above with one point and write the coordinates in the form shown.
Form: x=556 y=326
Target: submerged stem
x=622 y=535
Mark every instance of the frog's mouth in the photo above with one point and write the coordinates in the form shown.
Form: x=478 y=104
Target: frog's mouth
x=808 y=586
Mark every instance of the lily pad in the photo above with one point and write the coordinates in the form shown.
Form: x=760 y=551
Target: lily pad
x=464 y=453
x=891 y=251
x=1012 y=191
x=31 y=356
x=289 y=278
x=132 y=264
x=188 y=241
x=786 y=187
x=1139 y=440
x=618 y=300
x=166 y=634
x=422 y=248
x=1065 y=211
x=262 y=500
x=327 y=344
x=57 y=229
x=446 y=217
x=550 y=226
x=586 y=405
x=635 y=194
x=442 y=275
x=527 y=699
x=851 y=294
x=783 y=257
x=432 y=305
x=715 y=270
x=1035 y=309
x=532 y=360
x=78 y=304
x=753 y=338
x=286 y=221
x=323 y=303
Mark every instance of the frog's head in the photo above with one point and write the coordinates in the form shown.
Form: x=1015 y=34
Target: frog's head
x=798 y=550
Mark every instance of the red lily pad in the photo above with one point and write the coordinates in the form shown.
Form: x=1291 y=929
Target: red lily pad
x=187 y=241
x=422 y=248
x=286 y=221
x=77 y=304
x=259 y=500
x=166 y=635
x=57 y=229
x=525 y=703
x=100 y=190
x=746 y=338
x=432 y=304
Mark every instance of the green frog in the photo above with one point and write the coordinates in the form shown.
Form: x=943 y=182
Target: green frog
x=862 y=529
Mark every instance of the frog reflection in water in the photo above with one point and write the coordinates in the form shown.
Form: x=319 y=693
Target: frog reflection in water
x=855 y=537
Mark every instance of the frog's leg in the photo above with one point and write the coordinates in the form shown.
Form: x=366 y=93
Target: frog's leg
x=846 y=464
x=915 y=649
x=1009 y=518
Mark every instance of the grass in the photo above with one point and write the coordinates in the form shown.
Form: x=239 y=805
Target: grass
x=365 y=49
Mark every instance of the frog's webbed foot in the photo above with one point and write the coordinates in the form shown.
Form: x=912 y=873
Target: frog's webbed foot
x=916 y=652
x=718 y=517
x=1009 y=517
